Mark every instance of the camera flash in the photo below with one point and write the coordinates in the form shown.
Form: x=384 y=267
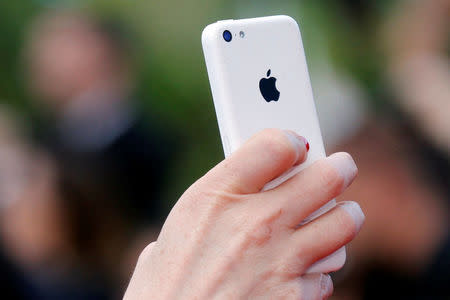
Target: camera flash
x=241 y=34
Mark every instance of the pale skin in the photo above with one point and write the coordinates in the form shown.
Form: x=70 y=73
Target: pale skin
x=227 y=239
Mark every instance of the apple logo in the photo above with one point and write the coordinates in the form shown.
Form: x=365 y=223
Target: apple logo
x=268 y=88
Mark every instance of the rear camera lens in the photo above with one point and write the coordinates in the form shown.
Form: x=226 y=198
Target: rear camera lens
x=227 y=36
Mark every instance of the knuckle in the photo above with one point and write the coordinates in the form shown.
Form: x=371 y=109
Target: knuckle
x=347 y=226
x=146 y=253
x=332 y=180
x=276 y=145
x=219 y=200
x=260 y=230
x=260 y=235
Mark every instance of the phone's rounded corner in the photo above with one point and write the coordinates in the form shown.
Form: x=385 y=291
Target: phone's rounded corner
x=291 y=22
x=288 y=19
x=208 y=33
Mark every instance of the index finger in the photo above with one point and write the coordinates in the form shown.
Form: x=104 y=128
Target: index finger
x=262 y=158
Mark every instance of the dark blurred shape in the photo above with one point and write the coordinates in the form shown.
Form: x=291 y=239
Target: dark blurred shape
x=74 y=207
x=403 y=185
x=80 y=71
x=403 y=250
x=416 y=41
x=39 y=257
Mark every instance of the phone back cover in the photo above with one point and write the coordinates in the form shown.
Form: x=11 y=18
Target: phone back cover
x=236 y=68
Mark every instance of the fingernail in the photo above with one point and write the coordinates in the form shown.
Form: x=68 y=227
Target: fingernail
x=326 y=286
x=355 y=211
x=345 y=165
x=298 y=141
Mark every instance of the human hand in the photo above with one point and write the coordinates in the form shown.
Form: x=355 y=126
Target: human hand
x=226 y=239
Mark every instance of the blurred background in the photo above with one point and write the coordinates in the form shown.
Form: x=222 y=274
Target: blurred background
x=106 y=117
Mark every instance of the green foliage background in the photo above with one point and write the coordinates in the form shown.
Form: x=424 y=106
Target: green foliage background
x=171 y=77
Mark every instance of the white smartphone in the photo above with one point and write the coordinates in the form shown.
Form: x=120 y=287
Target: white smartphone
x=259 y=79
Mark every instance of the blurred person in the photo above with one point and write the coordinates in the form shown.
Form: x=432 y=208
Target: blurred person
x=416 y=38
x=405 y=244
x=9 y=187
x=80 y=74
x=41 y=254
x=403 y=252
x=22 y=169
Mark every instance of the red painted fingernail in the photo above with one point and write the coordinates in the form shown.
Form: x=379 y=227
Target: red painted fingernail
x=306 y=143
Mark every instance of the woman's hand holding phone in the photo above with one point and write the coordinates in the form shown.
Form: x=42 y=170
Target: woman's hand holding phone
x=227 y=239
